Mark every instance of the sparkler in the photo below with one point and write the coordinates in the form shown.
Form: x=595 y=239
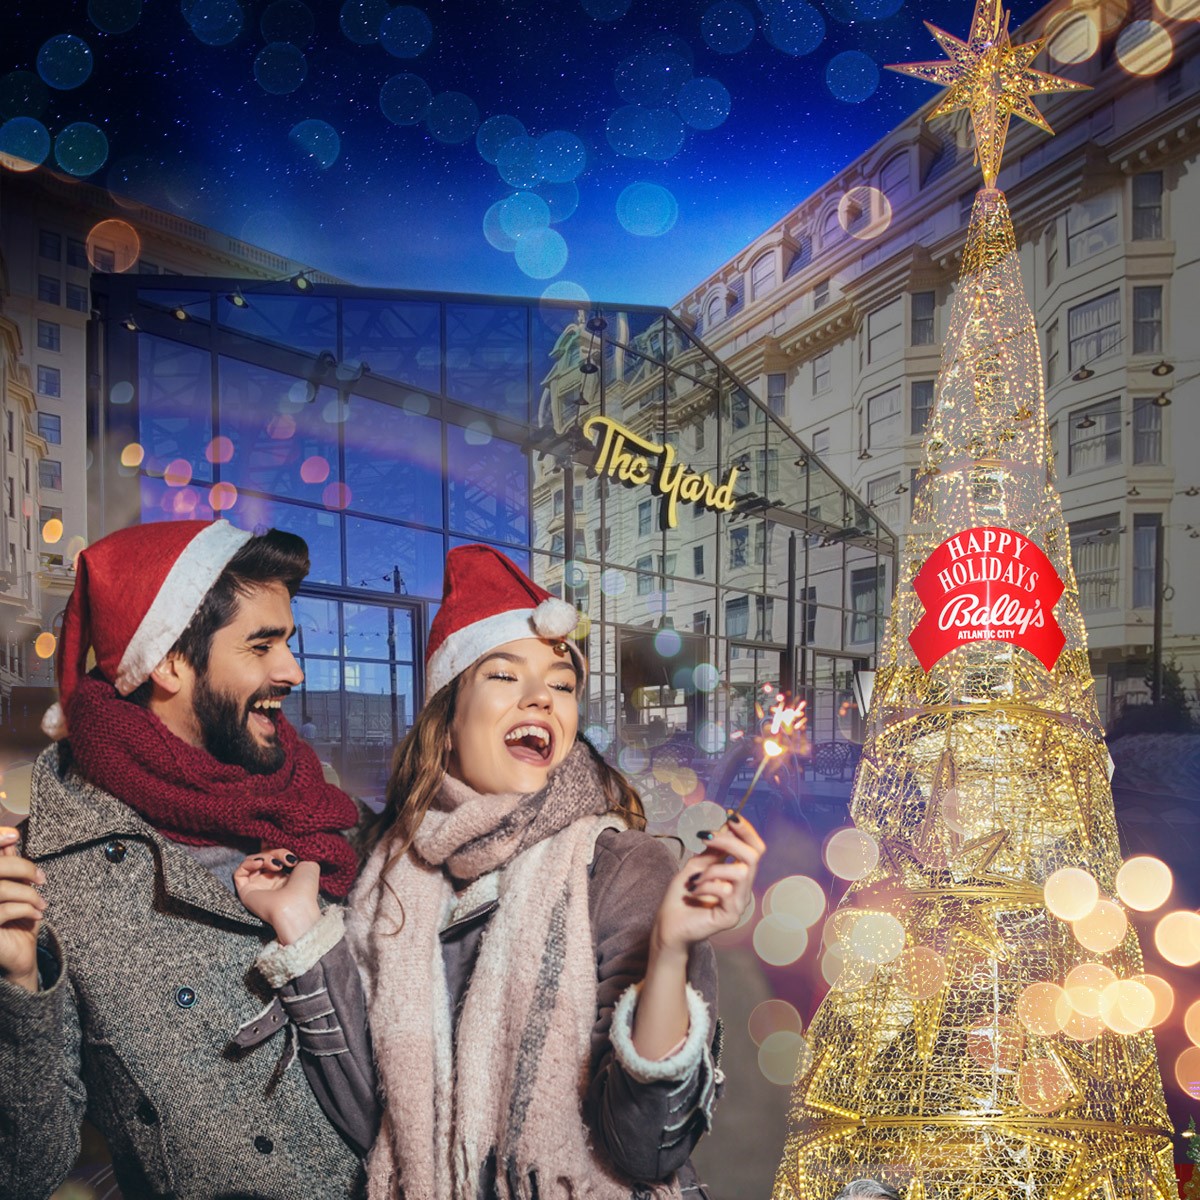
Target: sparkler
x=785 y=721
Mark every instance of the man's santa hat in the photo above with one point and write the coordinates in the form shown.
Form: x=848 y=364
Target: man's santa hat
x=135 y=592
x=488 y=600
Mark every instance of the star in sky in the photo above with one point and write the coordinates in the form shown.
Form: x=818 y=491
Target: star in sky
x=991 y=78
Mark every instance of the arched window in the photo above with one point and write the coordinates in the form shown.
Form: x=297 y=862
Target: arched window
x=762 y=275
x=831 y=228
x=715 y=312
x=894 y=178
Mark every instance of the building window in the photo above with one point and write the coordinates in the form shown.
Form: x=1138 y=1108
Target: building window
x=1170 y=82
x=764 y=608
x=50 y=428
x=666 y=567
x=737 y=617
x=766 y=472
x=10 y=491
x=8 y=430
x=1147 y=432
x=1145 y=534
x=820 y=373
x=1052 y=354
x=884 y=419
x=645 y=579
x=49 y=244
x=1051 y=252
x=921 y=404
x=49 y=335
x=700 y=621
x=776 y=393
x=1091 y=227
x=1095 y=556
x=644 y=517
x=50 y=473
x=47 y=512
x=883 y=499
x=49 y=381
x=865 y=585
x=762 y=544
x=738 y=547
x=558 y=503
x=820 y=442
x=894 y=177
x=739 y=409
x=1095 y=437
x=1147 y=320
x=77 y=298
x=883 y=330
x=922 y=318
x=715 y=311
x=1147 y=206
x=699 y=427
x=831 y=228
x=762 y=275
x=49 y=290
x=77 y=255
x=1093 y=329
x=821 y=294
x=808 y=614
x=557 y=543
x=104 y=258
x=698 y=561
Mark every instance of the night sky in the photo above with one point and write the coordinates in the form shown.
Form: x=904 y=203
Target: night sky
x=623 y=147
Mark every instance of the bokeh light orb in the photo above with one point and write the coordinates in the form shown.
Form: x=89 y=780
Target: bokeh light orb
x=478 y=432
x=727 y=27
x=1042 y=1087
x=703 y=103
x=600 y=736
x=52 y=531
x=1071 y=893
x=712 y=737
x=24 y=143
x=1074 y=38
x=541 y=253
x=1144 y=48
x=705 y=815
x=65 y=61
x=652 y=133
x=864 y=213
x=1177 y=938
x=44 y=645
x=995 y=1044
x=132 y=455
x=1191 y=1022
x=405 y=99
x=314 y=469
x=118 y=239
x=780 y=939
x=518 y=162
x=1187 y=1071
x=773 y=1016
x=1103 y=929
x=562 y=199
x=877 y=937
x=360 y=20
x=782 y=1056
x=706 y=677
x=1084 y=984
x=1043 y=1009
x=336 y=496
x=317 y=140
x=1144 y=883
x=647 y=209
x=452 y=118
x=81 y=148
x=280 y=68
x=613 y=582
x=1164 y=997
x=1083 y=1028
x=215 y=22
x=667 y=642
x=1127 y=1007
x=851 y=76
x=1179 y=10
x=405 y=32
x=561 y=156
x=114 y=16
x=494 y=133
x=219 y=450
x=796 y=28
x=797 y=896
x=178 y=473
x=851 y=854
x=222 y=496
x=920 y=972
x=566 y=289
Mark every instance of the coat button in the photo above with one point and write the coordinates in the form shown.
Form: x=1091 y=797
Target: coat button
x=146 y=1113
x=263 y=1145
x=185 y=997
x=114 y=851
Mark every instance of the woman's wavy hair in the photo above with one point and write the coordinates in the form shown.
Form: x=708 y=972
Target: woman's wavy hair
x=419 y=764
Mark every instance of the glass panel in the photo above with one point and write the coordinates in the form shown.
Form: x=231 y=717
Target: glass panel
x=280 y=439
x=174 y=405
x=487 y=357
x=392 y=558
x=561 y=341
x=380 y=703
x=394 y=462
x=315 y=707
x=316 y=625
x=520 y=557
x=378 y=631
x=320 y=529
x=196 y=306
x=162 y=503
x=300 y=322
x=489 y=486
x=397 y=339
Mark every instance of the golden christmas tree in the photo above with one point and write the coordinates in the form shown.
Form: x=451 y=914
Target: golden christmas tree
x=976 y=1046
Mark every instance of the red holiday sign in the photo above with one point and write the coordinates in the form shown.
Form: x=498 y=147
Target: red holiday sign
x=987 y=584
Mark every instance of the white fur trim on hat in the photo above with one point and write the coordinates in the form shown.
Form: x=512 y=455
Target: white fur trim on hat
x=188 y=581
x=470 y=643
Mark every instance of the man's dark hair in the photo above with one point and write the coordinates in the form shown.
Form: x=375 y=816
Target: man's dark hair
x=271 y=557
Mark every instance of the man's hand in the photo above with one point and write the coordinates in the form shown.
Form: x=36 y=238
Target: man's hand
x=21 y=911
x=280 y=890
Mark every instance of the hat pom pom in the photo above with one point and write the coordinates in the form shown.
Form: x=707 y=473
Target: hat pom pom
x=54 y=723
x=554 y=618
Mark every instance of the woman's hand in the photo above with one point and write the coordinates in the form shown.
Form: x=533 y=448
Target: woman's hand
x=280 y=890
x=709 y=894
x=21 y=911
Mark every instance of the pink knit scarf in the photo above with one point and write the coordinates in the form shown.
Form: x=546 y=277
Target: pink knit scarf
x=510 y=1081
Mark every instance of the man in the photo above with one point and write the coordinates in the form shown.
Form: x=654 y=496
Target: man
x=868 y=1189
x=126 y=984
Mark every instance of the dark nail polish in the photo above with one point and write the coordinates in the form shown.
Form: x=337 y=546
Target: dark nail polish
x=705 y=835
x=692 y=880
x=732 y=817
x=276 y=863
x=291 y=858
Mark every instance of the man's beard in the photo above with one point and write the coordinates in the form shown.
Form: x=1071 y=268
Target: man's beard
x=224 y=727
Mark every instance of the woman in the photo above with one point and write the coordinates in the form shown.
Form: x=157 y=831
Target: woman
x=540 y=990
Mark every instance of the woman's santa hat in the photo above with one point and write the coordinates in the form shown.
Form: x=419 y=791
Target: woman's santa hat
x=488 y=600
x=135 y=592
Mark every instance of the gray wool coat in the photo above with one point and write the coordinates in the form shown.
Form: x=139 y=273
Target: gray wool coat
x=146 y=965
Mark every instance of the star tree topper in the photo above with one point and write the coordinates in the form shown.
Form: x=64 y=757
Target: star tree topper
x=991 y=78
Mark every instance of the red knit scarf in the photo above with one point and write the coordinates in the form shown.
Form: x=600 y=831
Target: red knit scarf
x=190 y=797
